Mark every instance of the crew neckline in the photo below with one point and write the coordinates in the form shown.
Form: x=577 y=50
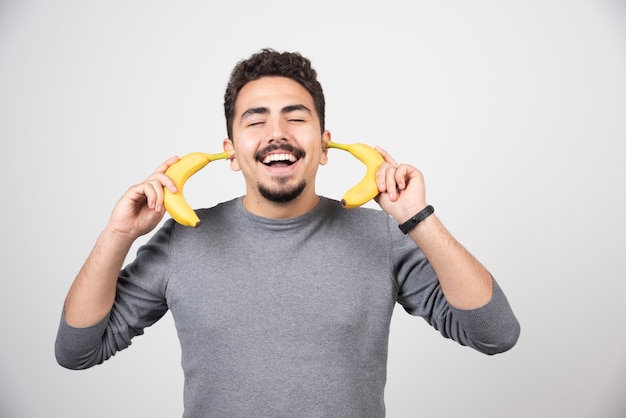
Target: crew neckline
x=305 y=217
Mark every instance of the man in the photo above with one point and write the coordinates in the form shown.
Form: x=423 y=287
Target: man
x=282 y=299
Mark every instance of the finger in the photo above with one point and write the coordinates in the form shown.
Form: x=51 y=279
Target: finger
x=400 y=176
x=386 y=156
x=147 y=189
x=382 y=176
x=162 y=178
x=151 y=191
x=166 y=181
x=391 y=182
x=166 y=164
x=159 y=174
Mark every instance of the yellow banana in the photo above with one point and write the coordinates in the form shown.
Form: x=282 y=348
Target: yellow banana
x=180 y=172
x=366 y=189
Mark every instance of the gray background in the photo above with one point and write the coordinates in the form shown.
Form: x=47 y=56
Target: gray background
x=514 y=110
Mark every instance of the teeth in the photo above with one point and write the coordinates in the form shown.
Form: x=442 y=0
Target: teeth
x=279 y=157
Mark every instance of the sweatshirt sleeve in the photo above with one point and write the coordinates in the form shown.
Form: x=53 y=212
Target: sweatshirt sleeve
x=490 y=329
x=139 y=302
x=78 y=348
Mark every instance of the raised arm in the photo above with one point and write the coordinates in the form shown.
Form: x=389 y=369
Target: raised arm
x=138 y=212
x=465 y=283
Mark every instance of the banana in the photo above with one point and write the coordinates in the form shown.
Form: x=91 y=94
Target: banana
x=367 y=188
x=180 y=172
x=188 y=165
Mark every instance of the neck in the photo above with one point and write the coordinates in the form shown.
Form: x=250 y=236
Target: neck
x=260 y=206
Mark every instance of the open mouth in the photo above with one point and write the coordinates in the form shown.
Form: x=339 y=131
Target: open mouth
x=279 y=160
x=278 y=156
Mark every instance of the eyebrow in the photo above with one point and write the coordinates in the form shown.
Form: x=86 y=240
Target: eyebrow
x=264 y=110
x=296 y=108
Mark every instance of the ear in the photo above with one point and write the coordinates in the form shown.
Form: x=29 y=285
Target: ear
x=325 y=140
x=230 y=147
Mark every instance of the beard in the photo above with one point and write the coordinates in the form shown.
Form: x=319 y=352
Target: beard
x=282 y=193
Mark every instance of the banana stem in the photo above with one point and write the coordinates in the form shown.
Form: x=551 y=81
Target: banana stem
x=332 y=144
x=220 y=156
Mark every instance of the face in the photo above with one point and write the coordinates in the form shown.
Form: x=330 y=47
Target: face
x=277 y=140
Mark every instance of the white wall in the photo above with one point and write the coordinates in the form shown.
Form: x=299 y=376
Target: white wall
x=514 y=110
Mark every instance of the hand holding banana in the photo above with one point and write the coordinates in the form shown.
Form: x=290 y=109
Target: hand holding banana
x=366 y=189
x=181 y=170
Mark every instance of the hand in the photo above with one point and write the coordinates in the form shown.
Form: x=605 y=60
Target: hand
x=141 y=208
x=402 y=190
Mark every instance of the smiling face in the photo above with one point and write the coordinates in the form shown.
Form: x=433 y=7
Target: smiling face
x=278 y=146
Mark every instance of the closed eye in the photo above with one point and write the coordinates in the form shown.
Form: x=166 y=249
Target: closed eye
x=296 y=113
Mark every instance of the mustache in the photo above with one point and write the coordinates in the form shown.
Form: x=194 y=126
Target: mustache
x=276 y=147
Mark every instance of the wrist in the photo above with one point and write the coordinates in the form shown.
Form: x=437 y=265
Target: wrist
x=417 y=218
x=116 y=238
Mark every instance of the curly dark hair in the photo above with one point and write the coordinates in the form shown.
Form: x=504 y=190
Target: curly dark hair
x=268 y=62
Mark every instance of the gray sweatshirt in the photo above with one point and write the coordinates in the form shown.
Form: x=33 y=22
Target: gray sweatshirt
x=282 y=318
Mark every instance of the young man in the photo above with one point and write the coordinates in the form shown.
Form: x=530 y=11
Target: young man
x=282 y=299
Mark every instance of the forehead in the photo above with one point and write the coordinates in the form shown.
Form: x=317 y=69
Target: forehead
x=272 y=92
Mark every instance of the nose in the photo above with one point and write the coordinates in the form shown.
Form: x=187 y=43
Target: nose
x=277 y=130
